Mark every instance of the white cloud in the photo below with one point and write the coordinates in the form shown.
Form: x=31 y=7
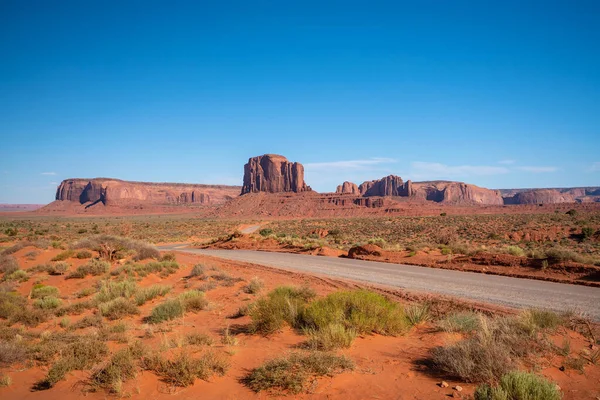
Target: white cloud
x=506 y=162
x=348 y=165
x=429 y=170
x=537 y=170
x=595 y=167
x=48 y=173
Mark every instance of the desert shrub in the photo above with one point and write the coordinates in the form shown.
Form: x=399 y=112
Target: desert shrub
x=492 y=351
x=79 y=355
x=330 y=337
x=282 y=305
x=74 y=308
x=197 y=270
x=11 y=231
x=88 y=321
x=8 y=264
x=40 y=291
x=12 y=352
x=515 y=251
x=199 y=339
x=572 y=212
x=16 y=276
x=464 y=322
x=31 y=255
x=166 y=311
x=117 y=308
x=62 y=256
x=518 y=385
x=417 y=313
x=225 y=279
x=121 y=367
x=86 y=292
x=163 y=268
x=170 y=256
x=110 y=290
x=362 y=310
x=208 y=286
x=535 y=319
x=109 y=247
x=28 y=316
x=146 y=294
x=265 y=232
x=228 y=338
x=14 y=248
x=558 y=254
x=48 y=303
x=93 y=267
x=587 y=232
x=183 y=370
x=58 y=268
x=83 y=254
x=378 y=242
x=254 y=286
x=292 y=373
x=193 y=300
x=5 y=380
x=10 y=304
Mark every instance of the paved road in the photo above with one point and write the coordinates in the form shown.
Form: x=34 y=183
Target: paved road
x=506 y=291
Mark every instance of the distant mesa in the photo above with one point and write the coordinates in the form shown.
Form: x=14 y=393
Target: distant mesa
x=273 y=173
x=117 y=192
x=391 y=185
x=551 y=196
x=347 y=188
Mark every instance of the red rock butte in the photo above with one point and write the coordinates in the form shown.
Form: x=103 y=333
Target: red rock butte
x=273 y=173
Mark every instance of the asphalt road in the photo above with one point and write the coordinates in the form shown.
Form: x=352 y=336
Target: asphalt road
x=501 y=290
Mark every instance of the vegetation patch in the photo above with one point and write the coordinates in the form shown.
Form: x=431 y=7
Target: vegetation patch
x=183 y=369
x=93 y=267
x=281 y=306
x=517 y=385
x=292 y=373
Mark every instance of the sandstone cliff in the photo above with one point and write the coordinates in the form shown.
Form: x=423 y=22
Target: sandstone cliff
x=456 y=193
x=116 y=192
x=347 y=188
x=540 y=196
x=391 y=185
x=273 y=173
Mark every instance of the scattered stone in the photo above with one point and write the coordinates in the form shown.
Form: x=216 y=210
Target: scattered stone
x=443 y=384
x=561 y=368
x=458 y=388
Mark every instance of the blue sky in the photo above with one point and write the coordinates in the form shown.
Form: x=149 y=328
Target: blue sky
x=501 y=94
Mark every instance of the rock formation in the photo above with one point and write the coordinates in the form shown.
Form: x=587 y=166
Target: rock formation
x=347 y=188
x=540 y=196
x=391 y=185
x=116 y=192
x=273 y=173
x=456 y=193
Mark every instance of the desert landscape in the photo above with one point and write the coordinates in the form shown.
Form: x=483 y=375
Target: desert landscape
x=103 y=293
x=332 y=200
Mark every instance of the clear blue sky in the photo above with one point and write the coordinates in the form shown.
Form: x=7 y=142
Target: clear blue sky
x=497 y=93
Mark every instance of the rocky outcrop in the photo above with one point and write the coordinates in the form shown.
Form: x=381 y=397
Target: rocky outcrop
x=273 y=173
x=456 y=193
x=540 y=196
x=347 y=188
x=391 y=185
x=117 y=192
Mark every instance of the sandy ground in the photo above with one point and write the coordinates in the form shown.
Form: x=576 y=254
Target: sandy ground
x=386 y=367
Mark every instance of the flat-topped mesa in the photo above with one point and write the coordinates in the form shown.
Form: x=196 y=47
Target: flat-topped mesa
x=542 y=196
x=456 y=193
x=391 y=185
x=348 y=188
x=273 y=173
x=115 y=192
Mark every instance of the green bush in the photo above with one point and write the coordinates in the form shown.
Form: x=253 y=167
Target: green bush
x=265 y=232
x=282 y=305
x=464 y=322
x=83 y=254
x=121 y=367
x=193 y=300
x=110 y=290
x=18 y=276
x=40 y=291
x=517 y=385
x=362 y=310
x=48 y=303
x=330 y=337
x=167 y=311
x=515 y=251
x=292 y=373
x=93 y=267
x=118 y=308
x=63 y=255
x=146 y=294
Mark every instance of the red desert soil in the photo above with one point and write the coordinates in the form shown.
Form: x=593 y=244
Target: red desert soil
x=386 y=367
x=496 y=264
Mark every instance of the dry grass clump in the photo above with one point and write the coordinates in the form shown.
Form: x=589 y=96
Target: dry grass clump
x=330 y=337
x=8 y=264
x=254 y=286
x=122 y=366
x=62 y=256
x=12 y=352
x=193 y=300
x=162 y=268
x=517 y=385
x=225 y=279
x=495 y=348
x=118 y=308
x=40 y=291
x=5 y=380
x=88 y=321
x=93 y=267
x=110 y=290
x=16 y=276
x=293 y=372
x=114 y=247
x=465 y=322
x=282 y=305
x=144 y=295
x=199 y=339
x=198 y=271
x=80 y=355
x=48 y=303
x=182 y=370
x=83 y=254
